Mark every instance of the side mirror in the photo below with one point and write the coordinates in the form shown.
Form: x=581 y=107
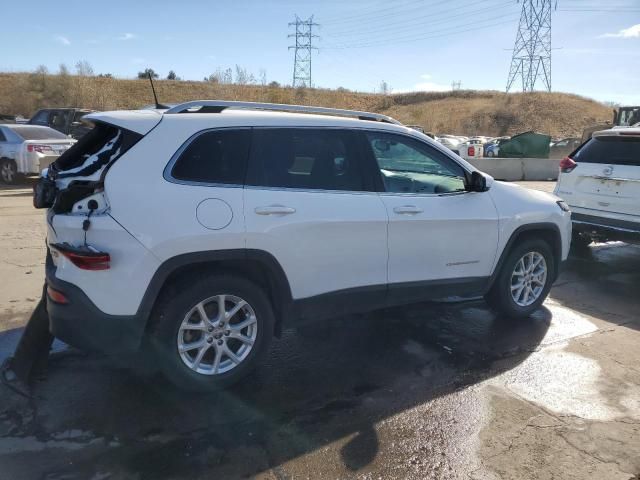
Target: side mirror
x=477 y=182
x=76 y=124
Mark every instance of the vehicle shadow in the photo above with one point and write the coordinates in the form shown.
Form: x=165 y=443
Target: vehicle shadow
x=332 y=381
x=612 y=270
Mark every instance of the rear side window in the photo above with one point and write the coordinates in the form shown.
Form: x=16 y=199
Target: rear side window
x=310 y=159
x=615 y=150
x=100 y=146
x=215 y=156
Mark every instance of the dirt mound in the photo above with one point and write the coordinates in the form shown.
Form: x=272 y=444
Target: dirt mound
x=463 y=112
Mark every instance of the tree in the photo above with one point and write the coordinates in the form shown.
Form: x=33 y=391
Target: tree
x=84 y=69
x=274 y=84
x=384 y=88
x=147 y=72
x=105 y=75
x=263 y=77
x=172 y=75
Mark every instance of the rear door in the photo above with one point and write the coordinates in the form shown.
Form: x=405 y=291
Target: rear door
x=607 y=175
x=308 y=202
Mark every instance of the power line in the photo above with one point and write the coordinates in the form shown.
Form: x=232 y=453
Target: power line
x=451 y=30
x=303 y=48
x=531 y=57
x=360 y=15
x=418 y=21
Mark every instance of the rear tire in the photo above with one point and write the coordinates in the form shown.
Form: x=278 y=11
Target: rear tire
x=8 y=171
x=222 y=350
x=524 y=280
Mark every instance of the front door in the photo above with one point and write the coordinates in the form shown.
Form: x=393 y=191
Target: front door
x=442 y=239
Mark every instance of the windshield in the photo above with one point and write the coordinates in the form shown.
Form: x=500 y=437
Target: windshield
x=37 y=133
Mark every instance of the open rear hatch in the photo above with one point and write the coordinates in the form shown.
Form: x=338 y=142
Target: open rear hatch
x=80 y=171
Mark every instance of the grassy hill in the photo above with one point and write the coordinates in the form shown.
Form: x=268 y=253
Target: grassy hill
x=462 y=112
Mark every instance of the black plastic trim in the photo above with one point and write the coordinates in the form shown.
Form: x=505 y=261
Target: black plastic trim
x=544 y=226
x=81 y=324
x=281 y=285
x=603 y=222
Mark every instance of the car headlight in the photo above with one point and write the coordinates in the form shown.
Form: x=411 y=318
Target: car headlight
x=563 y=206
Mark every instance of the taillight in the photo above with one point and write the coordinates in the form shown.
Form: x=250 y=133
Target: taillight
x=56 y=296
x=86 y=258
x=39 y=148
x=471 y=151
x=567 y=165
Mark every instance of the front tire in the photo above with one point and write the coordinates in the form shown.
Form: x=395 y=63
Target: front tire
x=8 y=171
x=524 y=280
x=212 y=332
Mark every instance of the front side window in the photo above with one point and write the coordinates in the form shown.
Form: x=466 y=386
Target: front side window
x=310 y=159
x=215 y=156
x=410 y=166
x=41 y=118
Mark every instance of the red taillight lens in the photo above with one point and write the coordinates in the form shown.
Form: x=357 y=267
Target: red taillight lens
x=89 y=262
x=85 y=257
x=471 y=151
x=56 y=296
x=39 y=148
x=567 y=165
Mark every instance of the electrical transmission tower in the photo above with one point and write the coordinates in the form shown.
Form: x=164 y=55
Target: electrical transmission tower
x=304 y=45
x=531 y=59
x=456 y=85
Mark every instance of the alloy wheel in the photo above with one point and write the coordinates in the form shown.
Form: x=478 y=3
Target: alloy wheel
x=217 y=334
x=528 y=278
x=7 y=172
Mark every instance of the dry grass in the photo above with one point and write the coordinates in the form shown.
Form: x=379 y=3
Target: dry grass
x=463 y=112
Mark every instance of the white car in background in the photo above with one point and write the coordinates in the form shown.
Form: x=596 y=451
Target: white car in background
x=29 y=149
x=472 y=148
x=600 y=182
x=451 y=142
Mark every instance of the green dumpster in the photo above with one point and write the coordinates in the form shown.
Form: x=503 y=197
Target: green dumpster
x=527 y=144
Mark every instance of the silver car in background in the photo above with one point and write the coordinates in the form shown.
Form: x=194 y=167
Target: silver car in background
x=28 y=149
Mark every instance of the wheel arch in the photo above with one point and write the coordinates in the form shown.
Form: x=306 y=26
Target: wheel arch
x=257 y=265
x=547 y=231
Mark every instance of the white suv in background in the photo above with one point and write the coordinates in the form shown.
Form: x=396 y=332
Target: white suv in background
x=601 y=183
x=207 y=228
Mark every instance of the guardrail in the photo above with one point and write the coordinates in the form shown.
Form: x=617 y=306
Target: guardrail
x=513 y=169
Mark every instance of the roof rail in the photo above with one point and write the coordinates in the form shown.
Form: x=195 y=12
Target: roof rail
x=216 y=106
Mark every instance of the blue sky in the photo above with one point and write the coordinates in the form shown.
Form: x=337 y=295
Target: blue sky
x=411 y=44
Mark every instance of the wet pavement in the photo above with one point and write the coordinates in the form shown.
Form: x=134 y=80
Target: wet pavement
x=435 y=390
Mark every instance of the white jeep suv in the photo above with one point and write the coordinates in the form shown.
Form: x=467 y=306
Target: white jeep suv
x=207 y=228
x=601 y=183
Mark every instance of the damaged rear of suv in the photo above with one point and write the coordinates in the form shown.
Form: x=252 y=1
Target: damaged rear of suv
x=85 y=240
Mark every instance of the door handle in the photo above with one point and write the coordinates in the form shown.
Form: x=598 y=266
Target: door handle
x=275 y=210
x=408 y=210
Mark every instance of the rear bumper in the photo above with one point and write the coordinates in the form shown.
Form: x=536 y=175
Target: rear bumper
x=609 y=228
x=81 y=324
